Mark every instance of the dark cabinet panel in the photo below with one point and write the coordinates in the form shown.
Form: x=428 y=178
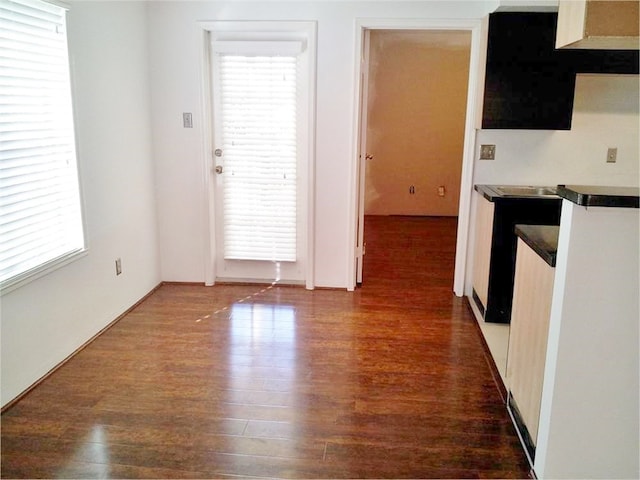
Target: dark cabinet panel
x=507 y=213
x=605 y=61
x=529 y=84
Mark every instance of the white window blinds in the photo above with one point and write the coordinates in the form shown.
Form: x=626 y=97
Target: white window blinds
x=40 y=217
x=259 y=141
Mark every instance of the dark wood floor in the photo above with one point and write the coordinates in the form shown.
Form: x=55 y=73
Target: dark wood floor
x=390 y=381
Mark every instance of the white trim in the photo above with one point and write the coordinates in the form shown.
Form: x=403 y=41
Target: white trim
x=273 y=47
x=466 y=180
x=208 y=220
x=35 y=273
x=312 y=41
x=59 y=3
x=263 y=31
x=466 y=176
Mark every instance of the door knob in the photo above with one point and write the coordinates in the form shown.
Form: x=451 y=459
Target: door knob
x=219 y=168
x=368 y=156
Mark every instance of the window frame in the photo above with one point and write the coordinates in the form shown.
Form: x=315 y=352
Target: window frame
x=46 y=267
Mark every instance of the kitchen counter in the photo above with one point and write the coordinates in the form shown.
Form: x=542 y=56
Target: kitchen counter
x=486 y=192
x=502 y=192
x=500 y=208
x=543 y=239
x=583 y=195
x=592 y=347
x=597 y=196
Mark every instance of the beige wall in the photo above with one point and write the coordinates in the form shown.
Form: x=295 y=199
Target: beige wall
x=416 y=114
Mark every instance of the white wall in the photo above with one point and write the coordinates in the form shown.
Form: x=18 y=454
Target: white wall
x=175 y=56
x=46 y=320
x=605 y=115
x=589 y=413
x=417 y=101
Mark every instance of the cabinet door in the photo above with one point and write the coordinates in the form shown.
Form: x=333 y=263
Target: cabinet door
x=482 y=253
x=527 y=83
x=533 y=288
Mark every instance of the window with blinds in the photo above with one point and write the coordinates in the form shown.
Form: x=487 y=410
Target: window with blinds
x=259 y=140
x=40 y=215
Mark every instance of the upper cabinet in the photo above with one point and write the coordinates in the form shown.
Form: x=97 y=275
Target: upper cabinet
x=607 y=25
x=529 y=84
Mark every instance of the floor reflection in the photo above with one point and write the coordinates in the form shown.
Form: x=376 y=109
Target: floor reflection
x=93 y=450
x=262 y=344
x=260 y=323
x=262 y=361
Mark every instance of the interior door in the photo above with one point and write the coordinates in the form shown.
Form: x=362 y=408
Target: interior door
x=363 y=155
x=259 y=160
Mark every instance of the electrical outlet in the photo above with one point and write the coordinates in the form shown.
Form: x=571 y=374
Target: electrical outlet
x=412 y=190
x=441 y=191
x=612 y=155
x=118 y=266
x=487 y=152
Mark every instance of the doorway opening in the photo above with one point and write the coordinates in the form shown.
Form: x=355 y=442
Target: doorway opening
x=415 y=145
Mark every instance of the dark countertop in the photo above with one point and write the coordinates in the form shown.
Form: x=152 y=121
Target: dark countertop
x=486 y=192
x=492 y=192
x=597 y=196
x=543 y=239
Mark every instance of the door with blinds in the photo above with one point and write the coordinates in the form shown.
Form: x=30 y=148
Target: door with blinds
x=260 y=159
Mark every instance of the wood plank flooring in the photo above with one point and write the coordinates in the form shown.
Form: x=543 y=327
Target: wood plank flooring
x=389 y=381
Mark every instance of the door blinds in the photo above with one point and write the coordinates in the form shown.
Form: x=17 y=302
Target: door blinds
x=40 y=218
x=259 y=141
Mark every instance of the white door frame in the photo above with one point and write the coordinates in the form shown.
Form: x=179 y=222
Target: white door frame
x=363 y=156
x=466 y=180
x=203 y=29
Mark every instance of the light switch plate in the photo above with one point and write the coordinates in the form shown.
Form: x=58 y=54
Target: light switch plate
x=187 y=120
x=612 y=154
x=487 y=152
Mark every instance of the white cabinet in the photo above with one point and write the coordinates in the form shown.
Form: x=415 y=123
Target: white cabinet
x=610 y=25
x=482 y=253
x=533 y=290
x=589 y=418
